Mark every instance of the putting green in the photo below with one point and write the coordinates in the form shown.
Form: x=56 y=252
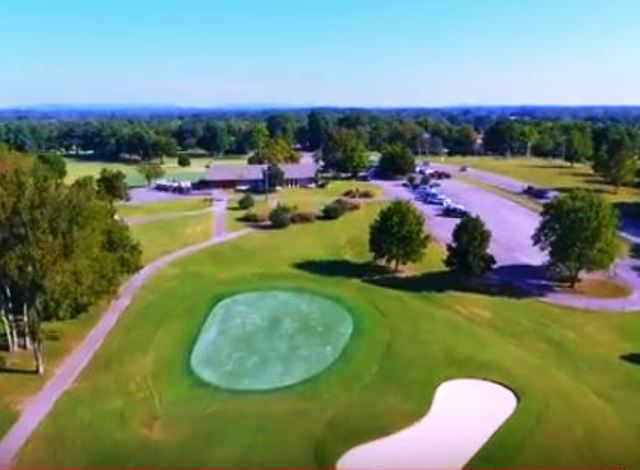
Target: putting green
x=262 y=340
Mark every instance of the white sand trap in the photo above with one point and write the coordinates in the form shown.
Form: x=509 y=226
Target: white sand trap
x=464 y=414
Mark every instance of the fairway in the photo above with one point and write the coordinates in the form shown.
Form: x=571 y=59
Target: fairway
x=269 y=339
x=139 y=403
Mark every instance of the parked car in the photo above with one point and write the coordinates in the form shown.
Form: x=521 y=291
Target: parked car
x=538 y=193
x=455 y=210
x=439 y=175
x=438 y=200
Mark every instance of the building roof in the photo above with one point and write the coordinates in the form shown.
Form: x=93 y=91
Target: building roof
x=248 y=173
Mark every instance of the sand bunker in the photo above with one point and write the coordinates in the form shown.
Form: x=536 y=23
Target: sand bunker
x=465 y=413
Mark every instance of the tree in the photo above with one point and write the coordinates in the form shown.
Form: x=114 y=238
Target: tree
x=150 y=172
x=318 y=127
x=579 y=232
x=54 y=164
x=184 y=160
x=259 y=137
x=397 y=235
x=163 y=146
x=246 y=202
x=280 y=216
x=273 y=176
x=275 y=151
x=112 y=185
x=396 y=160
x=468 y=254
x=345 y=152
x=281 y=126
x=61 y=250
x=215 y=138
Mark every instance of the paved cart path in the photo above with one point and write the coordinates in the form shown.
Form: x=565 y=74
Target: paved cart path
x=38 y=406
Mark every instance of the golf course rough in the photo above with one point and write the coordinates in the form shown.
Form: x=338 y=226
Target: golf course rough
x=261 y=340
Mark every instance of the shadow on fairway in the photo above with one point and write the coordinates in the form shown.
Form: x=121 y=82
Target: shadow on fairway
x=631 y=358
x=517 y=281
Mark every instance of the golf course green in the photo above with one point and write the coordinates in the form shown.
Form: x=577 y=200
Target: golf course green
x=269 y=339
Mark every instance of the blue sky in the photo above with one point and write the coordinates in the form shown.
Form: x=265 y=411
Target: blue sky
x=320 y=52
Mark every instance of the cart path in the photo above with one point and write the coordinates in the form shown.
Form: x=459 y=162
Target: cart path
x=518 y=261
x=37 y=407
x=464 y=415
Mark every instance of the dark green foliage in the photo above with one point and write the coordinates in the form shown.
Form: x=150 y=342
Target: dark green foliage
x=112 y=185
x=345 y=152
x=334 y=210
x=396 y=160
x=468 y=254
x=215 y=139
x=579 y=232
x=54 y=164
x=397 y=236
x=274 y=176
x=253 y=217
x=150 y=172
x=184 y=160
x=61 y=248
x=246 y=202
x=280 y=216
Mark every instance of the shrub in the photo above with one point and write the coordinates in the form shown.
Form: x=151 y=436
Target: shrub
x=303 y=217
x=246 y=202
x=253 y=217
x=358 y=194
x=280 y=216
x=323 y=184
x=335 y=210
x=184 y=160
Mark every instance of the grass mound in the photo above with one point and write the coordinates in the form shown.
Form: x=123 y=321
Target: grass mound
x=269 y=339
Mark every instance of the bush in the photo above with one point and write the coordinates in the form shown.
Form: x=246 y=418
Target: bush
x=323 y=184
x=280 y=216
x=184 y=160
x=302 y=217
x=246 y=202
x=358 y=194
x=253 y=217
x=335 y=209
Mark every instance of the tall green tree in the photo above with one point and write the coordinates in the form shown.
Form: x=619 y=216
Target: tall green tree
x=318 y=127
x=61 y=250
x=112 y=185
x=469 y=253
x=397 y=235
x=345 y=152
x=396 y=160
x=579 y=232
x=150 y=172
x=215 y=139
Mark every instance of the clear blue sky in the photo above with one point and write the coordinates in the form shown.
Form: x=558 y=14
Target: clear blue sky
x=333 y=52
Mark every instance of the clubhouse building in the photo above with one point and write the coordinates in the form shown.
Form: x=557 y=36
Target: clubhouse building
x=230 y=176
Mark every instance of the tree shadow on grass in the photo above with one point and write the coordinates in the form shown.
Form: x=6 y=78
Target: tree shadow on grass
x=518 y=281
x=5 y=369
x=631 y=358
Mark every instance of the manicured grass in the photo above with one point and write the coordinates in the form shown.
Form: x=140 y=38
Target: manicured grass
x=163 y=207
x=266 y=339
x=160 y=237
x=17 y=380
x=304 y=199
x=139 y=404
x=548 y=173
x=77 y=168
